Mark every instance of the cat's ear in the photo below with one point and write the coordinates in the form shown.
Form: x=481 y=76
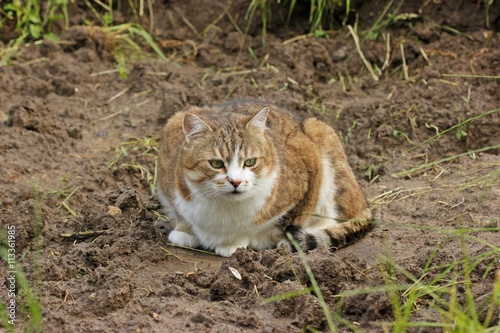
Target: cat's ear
x=259 y=120
x=192 y=126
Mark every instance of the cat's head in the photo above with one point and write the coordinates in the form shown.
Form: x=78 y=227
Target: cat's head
x=228 y=159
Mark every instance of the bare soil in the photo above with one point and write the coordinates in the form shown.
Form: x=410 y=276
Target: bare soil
x=64 y=121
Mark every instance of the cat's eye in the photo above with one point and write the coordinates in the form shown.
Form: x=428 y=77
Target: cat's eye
x=250 y=162
x=216 y=164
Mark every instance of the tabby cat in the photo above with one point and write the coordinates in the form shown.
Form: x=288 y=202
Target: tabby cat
x=242 y=174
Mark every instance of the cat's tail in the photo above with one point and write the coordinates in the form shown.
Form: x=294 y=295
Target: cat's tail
x=333 y=236
x=350 y=202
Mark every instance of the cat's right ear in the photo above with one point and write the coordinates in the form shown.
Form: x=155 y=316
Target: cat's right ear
x=192 y=126
x=259 y=120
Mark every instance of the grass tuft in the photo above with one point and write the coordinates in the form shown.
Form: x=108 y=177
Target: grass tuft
x=35 y=19
x=321 y=12
x=139 y=155
x=28 y=21
x=32 y=19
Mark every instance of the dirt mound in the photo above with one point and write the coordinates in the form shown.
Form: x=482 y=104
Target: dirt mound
x=250 y=276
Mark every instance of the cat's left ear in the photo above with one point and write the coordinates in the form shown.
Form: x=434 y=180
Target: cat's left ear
x=259 y=120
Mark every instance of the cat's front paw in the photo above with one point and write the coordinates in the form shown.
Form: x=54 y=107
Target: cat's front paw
x=227 y=251
x=183 y=239
x=284 y=244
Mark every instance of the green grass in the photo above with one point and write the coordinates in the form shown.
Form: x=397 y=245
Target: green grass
x=459 y=311
x=29 y=21
x=321 y=13
x=126 y=42
x=325 y=15
x=10 y=51
x=122 y=41
x=32 y=20
x=442 y=288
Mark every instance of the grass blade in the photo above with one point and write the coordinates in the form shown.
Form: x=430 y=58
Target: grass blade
x=315 y=286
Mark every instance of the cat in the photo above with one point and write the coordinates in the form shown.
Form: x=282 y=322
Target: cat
x=244 y=173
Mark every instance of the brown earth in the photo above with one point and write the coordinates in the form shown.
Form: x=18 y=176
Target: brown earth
x=66 y=123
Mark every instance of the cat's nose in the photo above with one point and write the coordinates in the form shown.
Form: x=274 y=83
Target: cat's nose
x=234 y=182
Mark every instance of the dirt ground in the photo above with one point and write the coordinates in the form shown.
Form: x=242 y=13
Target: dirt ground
x=77 y=138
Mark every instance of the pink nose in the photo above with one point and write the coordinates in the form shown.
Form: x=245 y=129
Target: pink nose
x=235 y=183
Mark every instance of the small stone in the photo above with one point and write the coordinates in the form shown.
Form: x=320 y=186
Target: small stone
x=200 y=318
x=74 y=132
x=339 y=55
x=114 y=211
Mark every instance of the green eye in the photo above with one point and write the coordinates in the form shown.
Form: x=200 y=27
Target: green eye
x=250 y=162
x=216 y=164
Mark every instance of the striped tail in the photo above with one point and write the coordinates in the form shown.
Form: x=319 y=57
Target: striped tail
x=333 y=237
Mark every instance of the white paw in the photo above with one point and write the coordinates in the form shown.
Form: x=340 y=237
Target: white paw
x=225 y=251
x=183 y=239
x=284 y=244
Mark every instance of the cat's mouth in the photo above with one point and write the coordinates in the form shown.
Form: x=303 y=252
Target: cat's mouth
x=236 y=194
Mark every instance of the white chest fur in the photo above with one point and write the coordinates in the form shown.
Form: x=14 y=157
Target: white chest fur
x=225 y=225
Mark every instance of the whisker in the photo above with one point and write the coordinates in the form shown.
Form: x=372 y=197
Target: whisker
x=205 y=191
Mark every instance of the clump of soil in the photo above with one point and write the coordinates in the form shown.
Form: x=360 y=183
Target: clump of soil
x=77 y=187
